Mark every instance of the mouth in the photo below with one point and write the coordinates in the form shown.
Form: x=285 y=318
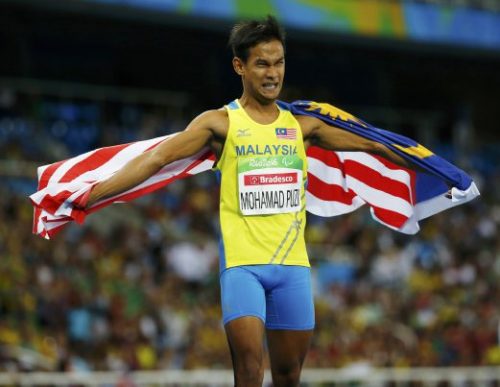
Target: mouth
x=270 y=86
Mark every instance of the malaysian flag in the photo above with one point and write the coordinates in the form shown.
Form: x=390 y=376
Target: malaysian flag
x=63 y=187
x=286 y=133
x=338 y=182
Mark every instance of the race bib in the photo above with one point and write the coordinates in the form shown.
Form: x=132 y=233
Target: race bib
x=269 y=185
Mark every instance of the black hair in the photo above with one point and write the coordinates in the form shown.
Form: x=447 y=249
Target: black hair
x=248 y=34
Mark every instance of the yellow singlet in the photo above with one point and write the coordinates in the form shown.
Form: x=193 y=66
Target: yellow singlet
x=263 y=173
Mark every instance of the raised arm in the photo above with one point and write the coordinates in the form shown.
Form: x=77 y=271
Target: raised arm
x=317 y=132
x=198 y=134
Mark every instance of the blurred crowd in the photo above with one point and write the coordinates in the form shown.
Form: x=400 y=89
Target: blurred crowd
x=136 y=287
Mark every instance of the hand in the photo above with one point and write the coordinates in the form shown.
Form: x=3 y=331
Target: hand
x=84 y=201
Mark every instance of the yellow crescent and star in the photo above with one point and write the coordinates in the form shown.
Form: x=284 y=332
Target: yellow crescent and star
x=418 y=151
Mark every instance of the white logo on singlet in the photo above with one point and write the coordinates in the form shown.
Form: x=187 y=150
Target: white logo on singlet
x=243 y=133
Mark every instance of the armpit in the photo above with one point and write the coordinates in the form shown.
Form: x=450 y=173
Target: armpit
x=307 y=125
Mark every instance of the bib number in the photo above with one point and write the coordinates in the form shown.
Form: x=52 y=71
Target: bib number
x=269 y=185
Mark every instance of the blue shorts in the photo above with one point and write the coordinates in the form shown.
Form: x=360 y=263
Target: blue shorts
x=280 y=295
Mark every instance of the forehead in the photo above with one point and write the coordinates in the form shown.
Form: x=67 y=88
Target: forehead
x=271 y=50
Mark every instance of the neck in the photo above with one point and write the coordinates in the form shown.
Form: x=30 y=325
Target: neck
x=264 y=109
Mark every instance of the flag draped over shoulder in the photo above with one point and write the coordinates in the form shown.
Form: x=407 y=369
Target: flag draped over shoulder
x=398 y=197
x=338 y=182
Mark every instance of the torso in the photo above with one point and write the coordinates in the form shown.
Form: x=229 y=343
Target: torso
x=261 y=160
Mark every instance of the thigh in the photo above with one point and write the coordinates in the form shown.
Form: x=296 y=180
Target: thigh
x=290 y=303
x=243 y=310
x=245 y=336
x=242 y=295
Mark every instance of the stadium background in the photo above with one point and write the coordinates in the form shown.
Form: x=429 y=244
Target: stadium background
x=136 y=288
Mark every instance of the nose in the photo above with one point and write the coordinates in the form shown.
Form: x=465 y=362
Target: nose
x=272 y=73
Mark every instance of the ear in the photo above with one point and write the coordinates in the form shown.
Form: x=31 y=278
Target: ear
x=238 y=66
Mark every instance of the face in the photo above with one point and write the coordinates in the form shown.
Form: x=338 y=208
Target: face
x=263 y=72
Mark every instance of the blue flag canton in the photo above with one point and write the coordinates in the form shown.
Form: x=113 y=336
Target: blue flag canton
x=286 y=133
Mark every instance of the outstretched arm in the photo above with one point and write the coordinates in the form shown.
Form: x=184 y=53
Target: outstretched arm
x=317 y=132
x=197 y=135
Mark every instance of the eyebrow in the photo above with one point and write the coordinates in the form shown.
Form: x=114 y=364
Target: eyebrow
x=262 y=60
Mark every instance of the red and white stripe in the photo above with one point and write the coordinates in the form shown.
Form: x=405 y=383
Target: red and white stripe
x=338 y=183
x=341 y=182
x=63 y=184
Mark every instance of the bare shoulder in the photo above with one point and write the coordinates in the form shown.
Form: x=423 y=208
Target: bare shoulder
x=213 y=115
x=308 y=124
x=215 y=120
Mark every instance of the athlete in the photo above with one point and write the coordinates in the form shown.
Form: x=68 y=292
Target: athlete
x=262 y=166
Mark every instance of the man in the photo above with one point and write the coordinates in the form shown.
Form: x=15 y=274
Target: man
x=262 y=165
